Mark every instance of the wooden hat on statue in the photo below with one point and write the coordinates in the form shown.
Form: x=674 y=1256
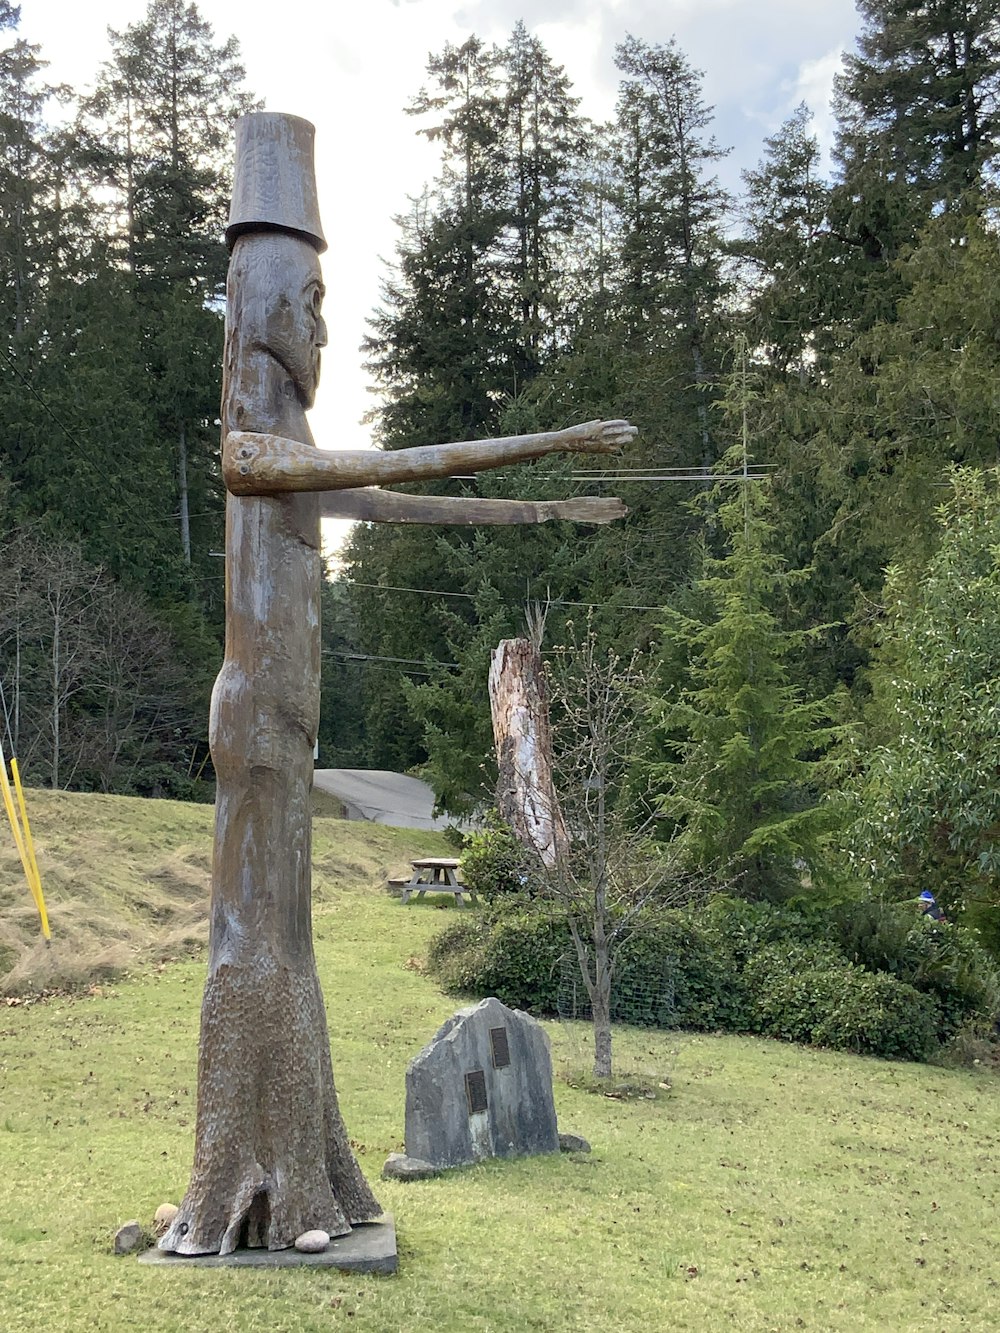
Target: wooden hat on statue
x=275 y=182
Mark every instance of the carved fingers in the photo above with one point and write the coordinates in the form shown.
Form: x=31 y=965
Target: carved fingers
x=600 y=437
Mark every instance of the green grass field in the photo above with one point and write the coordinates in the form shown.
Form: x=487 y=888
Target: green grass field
x=771 y=1187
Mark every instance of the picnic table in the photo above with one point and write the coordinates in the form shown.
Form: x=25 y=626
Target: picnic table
x=437 y=874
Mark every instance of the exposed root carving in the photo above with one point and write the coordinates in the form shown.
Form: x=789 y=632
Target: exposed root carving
x=272 y=1156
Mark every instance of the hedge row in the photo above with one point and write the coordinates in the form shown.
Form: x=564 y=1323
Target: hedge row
x=868 y=977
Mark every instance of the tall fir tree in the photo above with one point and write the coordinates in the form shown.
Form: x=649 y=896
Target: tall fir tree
x=667 y=308
x=157 y=131
x=469 y=318
x=158 y=127
x=739 y=783
x=783 y=251
x=923 y=86
x=110 y=337
x=916 y=107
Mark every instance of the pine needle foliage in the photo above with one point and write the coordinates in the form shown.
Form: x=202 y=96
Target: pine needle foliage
x=739 y=780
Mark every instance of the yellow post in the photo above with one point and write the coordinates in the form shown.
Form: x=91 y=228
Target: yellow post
x=15 y=828
x=36 y=884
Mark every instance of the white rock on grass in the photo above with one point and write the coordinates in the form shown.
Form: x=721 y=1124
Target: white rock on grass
x=312 y=1242
x=163 y=1217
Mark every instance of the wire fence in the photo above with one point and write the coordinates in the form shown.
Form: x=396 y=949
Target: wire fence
x=648 y=1000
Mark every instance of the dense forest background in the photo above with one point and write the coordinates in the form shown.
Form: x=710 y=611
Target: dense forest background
x=816 y=641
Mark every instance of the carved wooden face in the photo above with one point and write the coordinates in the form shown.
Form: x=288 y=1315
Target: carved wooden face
x=296 y=330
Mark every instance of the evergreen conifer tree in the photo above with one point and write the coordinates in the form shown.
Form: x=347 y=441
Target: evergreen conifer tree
x=739 y=778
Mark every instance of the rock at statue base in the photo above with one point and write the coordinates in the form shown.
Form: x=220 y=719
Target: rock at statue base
x=573 y=1143
x=400 y=1167
x=312 y=1242
x=481 y=1088
x=127 y=1237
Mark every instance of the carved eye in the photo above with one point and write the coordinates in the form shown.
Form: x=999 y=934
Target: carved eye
x=317 y=300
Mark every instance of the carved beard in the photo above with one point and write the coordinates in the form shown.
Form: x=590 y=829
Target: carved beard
x=291 y=340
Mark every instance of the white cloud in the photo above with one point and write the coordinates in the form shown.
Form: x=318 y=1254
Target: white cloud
x=814 y=86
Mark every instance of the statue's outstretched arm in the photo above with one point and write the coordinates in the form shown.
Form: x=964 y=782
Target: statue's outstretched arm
x=259 y=464
x=374 y=506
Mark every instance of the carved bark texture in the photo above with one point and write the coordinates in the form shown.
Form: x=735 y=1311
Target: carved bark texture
x=519 y=706
x=272 y=1156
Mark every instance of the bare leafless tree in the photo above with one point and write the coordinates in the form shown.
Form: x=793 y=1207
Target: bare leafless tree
x=90 y=682
x=134 y=689
x=613 y=869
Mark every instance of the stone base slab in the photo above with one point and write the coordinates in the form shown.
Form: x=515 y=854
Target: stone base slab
x=368 y=1248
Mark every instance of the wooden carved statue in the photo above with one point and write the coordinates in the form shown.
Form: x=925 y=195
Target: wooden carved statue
x=272 y=1156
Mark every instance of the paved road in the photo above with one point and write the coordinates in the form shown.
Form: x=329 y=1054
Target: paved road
x=381 y=797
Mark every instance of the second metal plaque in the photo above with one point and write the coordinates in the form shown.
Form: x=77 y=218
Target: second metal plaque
x=475 y=1091
x=501 y=1048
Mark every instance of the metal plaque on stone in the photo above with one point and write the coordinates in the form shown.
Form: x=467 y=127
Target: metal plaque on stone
x=501 y=1048
x=501 y=1058
x=475 y=1091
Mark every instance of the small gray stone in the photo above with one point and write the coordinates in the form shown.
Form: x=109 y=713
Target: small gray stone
x=400 y=1167
x=573 y=1143
x=312 y=1242
x=127 y=1237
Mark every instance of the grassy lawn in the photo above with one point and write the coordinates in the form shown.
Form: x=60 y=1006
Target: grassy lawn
x=770 y=1188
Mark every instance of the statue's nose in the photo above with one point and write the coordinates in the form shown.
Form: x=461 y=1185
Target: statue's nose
x=321 y=336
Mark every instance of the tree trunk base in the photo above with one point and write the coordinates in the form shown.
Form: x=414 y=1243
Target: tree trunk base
x=272 y=1155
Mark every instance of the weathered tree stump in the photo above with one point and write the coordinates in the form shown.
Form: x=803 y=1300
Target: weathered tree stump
x=519 y=705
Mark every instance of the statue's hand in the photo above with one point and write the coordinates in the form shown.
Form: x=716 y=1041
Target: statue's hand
x=599 y=437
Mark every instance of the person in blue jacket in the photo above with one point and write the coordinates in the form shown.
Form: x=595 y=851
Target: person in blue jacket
x=929 y=907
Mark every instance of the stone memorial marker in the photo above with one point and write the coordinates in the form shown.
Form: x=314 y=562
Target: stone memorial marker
x=481 y=1088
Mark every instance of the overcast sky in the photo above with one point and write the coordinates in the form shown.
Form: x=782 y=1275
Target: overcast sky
x=352 y=73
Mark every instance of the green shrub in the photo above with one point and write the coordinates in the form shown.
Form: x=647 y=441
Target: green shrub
x=706 y=990
x=494 y=861
x=455 y=956
x=668 y=974
x=742 y=967
x=515 y=954
x=945 y=961
x=740 y=929
x=872 y=1013
x=810 y=993
x=787 y=990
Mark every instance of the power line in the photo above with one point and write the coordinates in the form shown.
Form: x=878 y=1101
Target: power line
x=35 y=394
x=471 y=596
x=669 y=471
x=625 y=476
x=374 y=657
x=367 y=660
